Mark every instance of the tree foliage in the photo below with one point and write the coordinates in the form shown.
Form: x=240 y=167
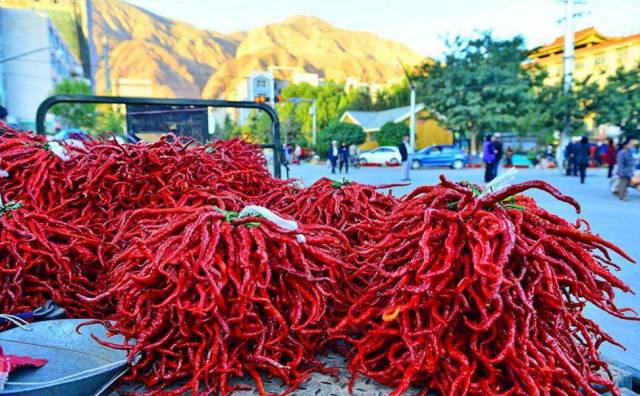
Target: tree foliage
x=75 y=115
x=480 y=85
x=391 y=133
x=551 y=107
x=618 y=102
x=342 y=133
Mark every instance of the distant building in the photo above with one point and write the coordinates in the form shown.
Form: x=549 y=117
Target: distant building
x=27 y=80
x=309 y=78
x=428 y=131
x=136 y=87
x=260 y=86
x=71 y=19
x=595 y=54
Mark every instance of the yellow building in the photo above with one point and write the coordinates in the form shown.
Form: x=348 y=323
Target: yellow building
x=428 y=131
x=595 y=54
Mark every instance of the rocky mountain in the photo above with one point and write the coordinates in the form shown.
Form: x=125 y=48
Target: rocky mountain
x=184 y=61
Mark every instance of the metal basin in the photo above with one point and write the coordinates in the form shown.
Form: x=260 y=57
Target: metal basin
x=77 y=364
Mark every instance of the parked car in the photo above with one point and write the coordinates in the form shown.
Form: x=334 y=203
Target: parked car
x=441 y=155
x=381 y=155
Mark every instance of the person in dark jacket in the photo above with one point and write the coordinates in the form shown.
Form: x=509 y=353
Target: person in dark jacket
x=333 y=155
x=406 y=152
x=626 y=167
x=610 y=157
x=583 y=156
x=343 y=157
x=568 y=156
x=497 y=145
x=489 y=158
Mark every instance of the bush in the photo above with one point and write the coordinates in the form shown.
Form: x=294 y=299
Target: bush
x=391 y=134
x=340 y=131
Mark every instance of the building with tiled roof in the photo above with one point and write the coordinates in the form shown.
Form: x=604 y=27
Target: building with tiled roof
x=595 y=54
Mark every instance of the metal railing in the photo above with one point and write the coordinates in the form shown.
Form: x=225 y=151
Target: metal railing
x=275 y=122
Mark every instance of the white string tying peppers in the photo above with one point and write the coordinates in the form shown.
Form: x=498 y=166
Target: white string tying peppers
x=289 y=225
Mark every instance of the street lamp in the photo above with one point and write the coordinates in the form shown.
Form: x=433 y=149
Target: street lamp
x=313 y=111
x=412 y=122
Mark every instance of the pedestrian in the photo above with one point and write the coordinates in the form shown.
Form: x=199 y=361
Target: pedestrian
x=3 y=114
x=497 y=145
x=626 y=167
x=297 y=154
x=508 y=157
x=583 y=156
x=333 y=155
x=353 y=154
x=406 y=152
x=343 y=157
x=489 y=158
x=569 y=156
x=610 y=156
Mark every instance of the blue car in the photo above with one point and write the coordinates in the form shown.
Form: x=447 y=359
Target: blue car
x=442 y=155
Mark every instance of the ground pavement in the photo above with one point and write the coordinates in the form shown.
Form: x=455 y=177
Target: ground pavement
x=615 y=220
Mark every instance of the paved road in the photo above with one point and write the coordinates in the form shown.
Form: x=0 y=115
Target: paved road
x=615 y=220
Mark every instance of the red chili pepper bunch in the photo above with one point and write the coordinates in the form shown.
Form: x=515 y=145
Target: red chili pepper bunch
x=111 y=178
x=343 y=205
x=245 y=169
x=42 y=258
x=34 y=171
x=463 y=294
x=208 y=295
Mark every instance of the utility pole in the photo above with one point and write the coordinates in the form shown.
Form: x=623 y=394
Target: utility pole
x=412 y=105
x=107 y=72
x=567 y=75
x=314 y=112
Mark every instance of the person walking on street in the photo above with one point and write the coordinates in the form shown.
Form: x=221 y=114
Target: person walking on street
x=333 y=155
x=353 y=155
x=508 y=157
x=583 y=156
x=343 y=157
x=610 y=157
x=568 y=156
x=497 y=145
x=406 y=152
x=489 y=157
x=626 y=167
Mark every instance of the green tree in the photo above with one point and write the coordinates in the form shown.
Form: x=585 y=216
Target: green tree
x=547 y=113
x=108 y=120
x=75 y=115
x=342 y=133
x=331 y=103
x=391 y=133
x=479 y=86
x=618 y=103
x=257 y=128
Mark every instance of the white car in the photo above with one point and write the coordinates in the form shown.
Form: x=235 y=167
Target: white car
x=381 y=155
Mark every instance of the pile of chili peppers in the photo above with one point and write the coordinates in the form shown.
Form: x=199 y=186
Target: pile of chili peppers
x=446 y=288
x=481 y=295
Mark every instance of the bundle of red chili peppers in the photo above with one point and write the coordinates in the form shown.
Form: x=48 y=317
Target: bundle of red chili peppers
x=481 y=295
x=445 y=289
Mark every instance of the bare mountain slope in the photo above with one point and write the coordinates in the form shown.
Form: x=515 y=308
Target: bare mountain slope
x=185 y=61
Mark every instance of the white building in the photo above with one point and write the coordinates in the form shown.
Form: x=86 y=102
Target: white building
x=33 y=58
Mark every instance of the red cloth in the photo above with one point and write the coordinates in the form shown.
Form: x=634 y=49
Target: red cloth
x=9 y=363
x=610 y=156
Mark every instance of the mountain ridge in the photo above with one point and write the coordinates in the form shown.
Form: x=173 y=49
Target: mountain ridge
x=182 y=60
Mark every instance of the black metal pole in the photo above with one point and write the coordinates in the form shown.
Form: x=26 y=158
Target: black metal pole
x=275 y=122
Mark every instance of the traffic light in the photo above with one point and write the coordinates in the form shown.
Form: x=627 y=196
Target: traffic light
x=279 y=99
x=261 y=99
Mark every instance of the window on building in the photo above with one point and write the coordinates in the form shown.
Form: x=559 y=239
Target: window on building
x=580 y=65
x=599 y=60
x=621 y=54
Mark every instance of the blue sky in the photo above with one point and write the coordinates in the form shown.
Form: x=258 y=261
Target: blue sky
x=421 y=24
